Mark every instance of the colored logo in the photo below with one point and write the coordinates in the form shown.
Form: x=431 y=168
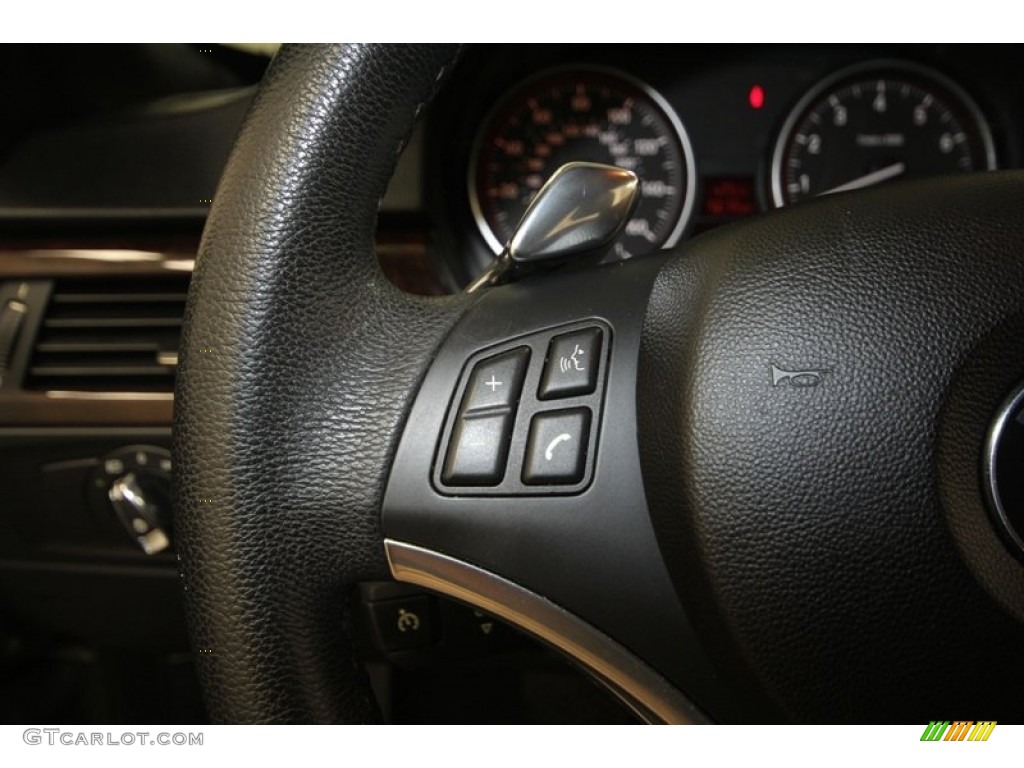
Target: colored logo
x=961 y=730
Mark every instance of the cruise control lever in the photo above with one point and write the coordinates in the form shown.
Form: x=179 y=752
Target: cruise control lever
x=577 y=214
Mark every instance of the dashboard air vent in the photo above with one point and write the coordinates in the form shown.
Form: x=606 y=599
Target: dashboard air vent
x=110 y=335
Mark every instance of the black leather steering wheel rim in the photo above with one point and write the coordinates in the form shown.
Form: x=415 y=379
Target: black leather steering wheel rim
x=288 y=403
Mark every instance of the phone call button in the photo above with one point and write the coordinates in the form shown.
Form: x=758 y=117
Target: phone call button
x=556 y=451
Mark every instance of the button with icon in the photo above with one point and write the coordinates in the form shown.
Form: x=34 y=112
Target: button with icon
x=480 y=440
x=556 y=451
x=496 y=381
x=402 y=623
x=572 y=364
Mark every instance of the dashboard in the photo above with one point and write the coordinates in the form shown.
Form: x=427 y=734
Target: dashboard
x=107 y=172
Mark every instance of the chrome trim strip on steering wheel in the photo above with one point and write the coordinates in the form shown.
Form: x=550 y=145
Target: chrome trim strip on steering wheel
x=638 y=686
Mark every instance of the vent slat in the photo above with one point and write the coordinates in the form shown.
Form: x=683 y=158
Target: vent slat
x=124 y=298
x=110 y=335
x=72 y=347
x=100 y=370
x=112 y=322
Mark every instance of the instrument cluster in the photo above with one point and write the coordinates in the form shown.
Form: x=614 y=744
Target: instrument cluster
x=723 y=132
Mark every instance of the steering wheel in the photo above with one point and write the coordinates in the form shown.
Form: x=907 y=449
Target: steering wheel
x=766 y=500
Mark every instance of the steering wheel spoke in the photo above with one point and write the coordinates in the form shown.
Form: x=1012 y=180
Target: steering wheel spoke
x=516 y=486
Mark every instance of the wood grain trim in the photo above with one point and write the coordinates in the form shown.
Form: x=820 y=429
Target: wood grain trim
x=20 y=408
x=48 y=263
x=403 y=258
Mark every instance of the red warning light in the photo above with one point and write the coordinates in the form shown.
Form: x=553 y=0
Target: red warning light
x=756 y=96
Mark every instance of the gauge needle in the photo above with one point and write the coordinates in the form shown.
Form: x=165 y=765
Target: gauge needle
x=875 y=177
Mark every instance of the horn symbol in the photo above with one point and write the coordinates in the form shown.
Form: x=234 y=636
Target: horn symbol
x=796 y=378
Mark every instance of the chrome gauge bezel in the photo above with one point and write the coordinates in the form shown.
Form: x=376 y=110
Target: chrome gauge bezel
x=689 y=194
x=890 y=68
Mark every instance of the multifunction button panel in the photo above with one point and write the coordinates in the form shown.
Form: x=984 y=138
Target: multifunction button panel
x=524 y=417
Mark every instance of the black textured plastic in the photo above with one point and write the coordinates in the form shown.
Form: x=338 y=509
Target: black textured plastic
x=591 y=551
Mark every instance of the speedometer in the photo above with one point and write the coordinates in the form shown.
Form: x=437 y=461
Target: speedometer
x=875 y=122
x=592 y=116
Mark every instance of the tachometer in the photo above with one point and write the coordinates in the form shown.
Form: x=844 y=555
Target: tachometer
x=875 y=122
x=584 y=115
